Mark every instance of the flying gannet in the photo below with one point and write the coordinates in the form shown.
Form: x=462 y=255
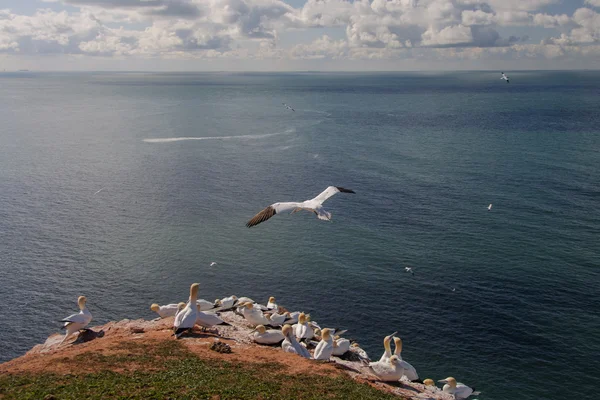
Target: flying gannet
x=186 y=319
x=76 y=322
x=409 y=269
x=459 y=390
x=288 y=107
x=504 y=77
x=490 y=207
x=313 y=205
x=212 y=264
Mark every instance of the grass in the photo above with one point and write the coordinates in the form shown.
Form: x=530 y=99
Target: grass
x=167 y=370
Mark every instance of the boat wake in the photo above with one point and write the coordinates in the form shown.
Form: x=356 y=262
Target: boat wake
x=240 y=137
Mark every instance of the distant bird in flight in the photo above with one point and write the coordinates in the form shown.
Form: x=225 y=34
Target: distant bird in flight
x=288 y=107
x=99 y=191
x=409 y=269
x=504 y=77
x=490 y=207
x=212 y=264
x=313 y=205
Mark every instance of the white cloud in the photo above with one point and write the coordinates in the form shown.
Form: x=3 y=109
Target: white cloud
x=593 y=3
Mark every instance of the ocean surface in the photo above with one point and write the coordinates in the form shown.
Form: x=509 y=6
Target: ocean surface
x=505 y=300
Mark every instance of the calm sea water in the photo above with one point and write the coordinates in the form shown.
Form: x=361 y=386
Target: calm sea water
x=425 y=153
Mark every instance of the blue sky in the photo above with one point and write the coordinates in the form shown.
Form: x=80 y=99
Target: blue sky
x=297 y=34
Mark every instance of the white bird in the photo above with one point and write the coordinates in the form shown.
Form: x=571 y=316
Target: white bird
x=276 y=319
x=409 y=269
x=340 y=346
x=388 y=371
x=409 y=370
x=314 y=205
x=271 y=305
x=288 y=107
x=302 y=329
x=292 y=317
x=356 y=349
x=226 y=302
x=253 y=315
x=291 y=345
x=76 y=322
x=180 y=308
x=454 y=289
x=261 y=335
x=324 y=349
x=387 y=348
x=208 y=320
x=186 y=319
x=212 y=264
x=168 y=310
x=490 y=206
x=459 y=390
x=99 y=191
x=504 y=77
x=245 y=300
x=205 y=305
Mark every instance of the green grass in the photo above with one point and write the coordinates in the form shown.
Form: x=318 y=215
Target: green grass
x=169 y=371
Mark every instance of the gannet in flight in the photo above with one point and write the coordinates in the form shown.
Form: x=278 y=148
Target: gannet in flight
x=409 y=269
x=99 y=191
x=459 y=390
x=504 y=77
x=313 y=205
x=288 y=107
x=186 y=319
x=490 y=206
x=212 y=264
x=409 y=370
x=291 y=345
x=261 y=335
x=76 y=322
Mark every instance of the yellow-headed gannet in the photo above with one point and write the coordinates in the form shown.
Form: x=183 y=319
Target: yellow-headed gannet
x=205 y=305
x=409 y=370
x=324 y=349
x=186 y=319
x=291 y=345
x=504 y=77
x=340 y=346
x=76 y=322
x=459 y=390
x=302 y=329
x=387 y=347
x=271 y=305
x=226 y=302
x=314 y=205
x=208 y=320
x=261 y=335
x=253 y=315
x=168 y=310
x=390 y=370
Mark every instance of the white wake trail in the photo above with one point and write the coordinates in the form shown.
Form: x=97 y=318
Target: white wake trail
x=243 y=137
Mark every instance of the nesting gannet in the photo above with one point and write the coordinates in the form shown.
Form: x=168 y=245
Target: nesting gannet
x=324 y=349
x=504 y=77
x=276 y=319
x=186 y=319
x=387 y=371
x=292 y=317
x=271 y=305
x=490 y=207
x=254 y=316
x=168 y=310
x=459 y=390
x=207 y=320
x=261 y=335
x=356 y=349
x=302 y=329
x=212 y=264
x=314 y=205
x=205 y=305
x=226 y=302
x=76 y=322
x=291 y=345
x=409 y=269
x=409 y=370
x=245 y=300
x=386 y=346
x=340 y=346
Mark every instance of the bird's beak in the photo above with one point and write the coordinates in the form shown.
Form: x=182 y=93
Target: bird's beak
x=443 y=381
x=393 y=334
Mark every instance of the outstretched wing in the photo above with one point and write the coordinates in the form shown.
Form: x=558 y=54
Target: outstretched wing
x=261 y=216
x=330 y=191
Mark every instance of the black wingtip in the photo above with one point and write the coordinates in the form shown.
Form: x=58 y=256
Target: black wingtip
x=344 y=190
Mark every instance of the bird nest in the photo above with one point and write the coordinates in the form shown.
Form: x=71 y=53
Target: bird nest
x=220 y=347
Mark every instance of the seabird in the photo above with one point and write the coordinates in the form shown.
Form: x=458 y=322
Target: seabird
x=388 y=349
x=291 y=345
x=302 y=329
x=490 y=206
x=212 y=264
x=186 y=319
x=324 y=349
x=205 y=305
x=409 y=269
x=271 y=305
x=313 y=205
x=276 y=319
x=356 y=349
x=99 y=191
x=261 y=335
x=168 y=310
x=208 y=320
x=226 y=302
x=340 y=346
x=409 y=370
x=504 y=77
x=253 y=315
x=459 y=390
x=288 y=107
x=76 y=322
x=388 y=371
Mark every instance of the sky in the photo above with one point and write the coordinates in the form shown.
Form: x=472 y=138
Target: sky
x=297 y=35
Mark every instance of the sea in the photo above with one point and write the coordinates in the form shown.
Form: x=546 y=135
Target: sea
x=124 y=187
